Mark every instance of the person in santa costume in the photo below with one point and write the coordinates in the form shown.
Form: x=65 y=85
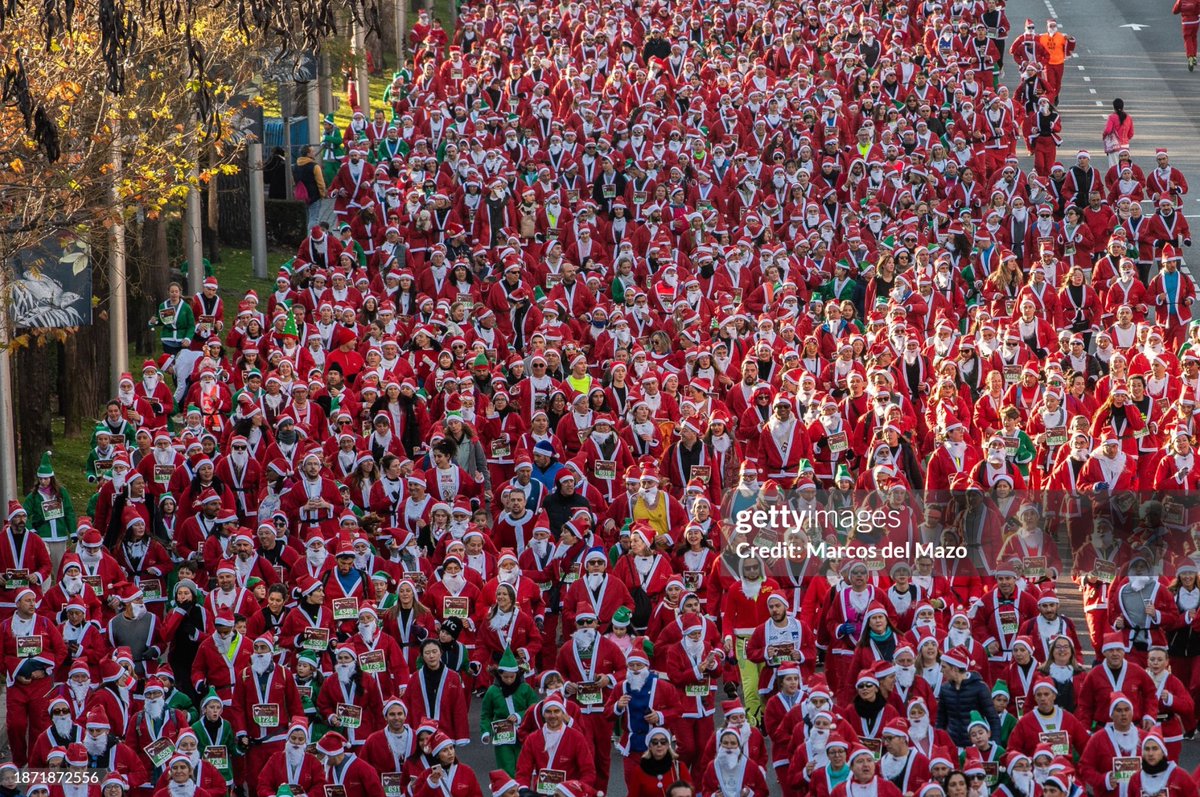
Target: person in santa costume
x=731 y=773
x=24 y=559
x=1158 y=773
x=597 y=590
x=435 y=692
x=864 y=780
x=640 y=702
x=1116 y=675
x=180 y=772
x=1068 y=735
x=344 y=768
x=105 y=750
x=907 y=769
x=1141 y=609
x=220 y=657
x=1109 y=760
x=1003 y=610
x=33 y=649
x=447 y=777
x=264 y=699
x=154 y=722
x=843 y=619
x=562 y=751
x=294 y=765
x=1176 y=706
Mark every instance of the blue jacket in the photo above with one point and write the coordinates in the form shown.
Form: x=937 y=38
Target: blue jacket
x=955 y=704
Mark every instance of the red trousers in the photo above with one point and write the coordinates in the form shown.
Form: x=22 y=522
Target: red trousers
x=1045 y=151
x=1190 y=27
x=27 y=708
x=1054 y=77
x=599 y=731
x=1175 y=333
x=693 y=736
x=256 y=762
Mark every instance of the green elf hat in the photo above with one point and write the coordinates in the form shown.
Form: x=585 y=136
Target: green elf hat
x=309 y=657
x=1001 y=688
x=45 y=469
x=289 y=328
x=508 y=662
x=102 y=429
x=210 y=697
x=481 y=361
x=806 y=466
x=166 y=497
x=977 y=719
x=622 y=617
x=843 y=474
x=253 y=582
x=453 y=415
x=284 y=790
x=539 y=294
x=328 y=119
x=192 y=409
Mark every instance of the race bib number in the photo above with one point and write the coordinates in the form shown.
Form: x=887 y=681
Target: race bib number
x=991 y=771
x=217 y=755
x=608 y=191
x=1105 y=571
x=778 y=654
x=159 y=751
x=874 y=745
x=838 y=443
x=455 y=607
x=29 y=646
x=590 y=695
x=639 y=197
x=692 y=579
x=163 y=473
x=701 y=472
x=1058 y=741
x=349 y=715
x=1012 y=374
x=697 y=690
x=372 y=661
x=504 y=732
x=393 y=784
x=345 y=609
x=334 y=790
x=548 y=780
x=315 y=639
x=501 y=449
x=1034 y=566
x=1009 y=622
x=52 y=509
x=17 y=578
x=95 y=583
x=266 y=715
x=1056 y=436
x=605 y=469
x=152 y=589
x=1124 y=766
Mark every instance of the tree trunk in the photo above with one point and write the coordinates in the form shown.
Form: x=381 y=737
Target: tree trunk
x=151 y=277
x=34 y=387
x=86 y=390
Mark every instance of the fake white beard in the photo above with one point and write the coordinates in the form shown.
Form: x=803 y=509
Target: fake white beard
x=637 y=680
x=693 y=647
x=585 y=637
x=95 y=745
x=345 y=671
x=454 y=582
x=260 y=662
x=594 y=580
x=315 y=558
x=154 y=708
x=63 y=725
x=958 y=636
x=367 y=631
x=294 y=753
x=79 y=692
x=507 y=576
x=905 y=676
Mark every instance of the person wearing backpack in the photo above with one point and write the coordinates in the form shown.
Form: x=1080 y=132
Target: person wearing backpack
x=309 y=181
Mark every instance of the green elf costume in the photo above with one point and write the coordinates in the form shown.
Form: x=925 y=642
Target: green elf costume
x=840 y=287
x=309 y=688
x=504 y=705
x=101 y=456
x=49 y=507
x=215 y=737
x=1001 y=698
x=986 y=751
x=175 y=699
x=333 y=149
x=176 y=324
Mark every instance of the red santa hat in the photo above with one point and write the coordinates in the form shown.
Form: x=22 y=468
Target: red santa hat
x=1112 y=641
x=332 y=744
x=224 y=617
x=1117 y=699
x=98 y=720
x=957 y=657
x=501 y=782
